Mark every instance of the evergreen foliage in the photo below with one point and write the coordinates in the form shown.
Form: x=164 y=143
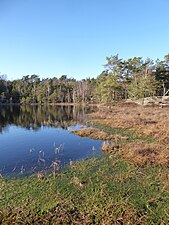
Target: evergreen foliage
x=121 y=79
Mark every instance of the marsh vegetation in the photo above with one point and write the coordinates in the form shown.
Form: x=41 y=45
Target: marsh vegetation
x=129 y=184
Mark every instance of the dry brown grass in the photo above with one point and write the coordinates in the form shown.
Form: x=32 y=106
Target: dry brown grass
x=144 y=121
x=77 y=182
x=97 y=134
x=109 y=147
x=164 y=177
x=150 y=121
x=141 y=153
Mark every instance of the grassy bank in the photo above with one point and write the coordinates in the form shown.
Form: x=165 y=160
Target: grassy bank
x=128 y=185
x=95 y=191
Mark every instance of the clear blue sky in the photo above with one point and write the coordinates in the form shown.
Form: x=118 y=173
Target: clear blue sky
x=73 y=37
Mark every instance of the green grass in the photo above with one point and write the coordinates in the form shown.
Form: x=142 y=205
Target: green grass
x=95 y=191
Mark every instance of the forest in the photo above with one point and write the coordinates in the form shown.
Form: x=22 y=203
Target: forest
x=133 y=78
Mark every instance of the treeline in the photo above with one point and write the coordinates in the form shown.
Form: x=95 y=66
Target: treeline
x=121 y=79
x=30 y=89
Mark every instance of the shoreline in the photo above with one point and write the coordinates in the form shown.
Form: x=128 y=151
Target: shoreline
x=128 y=184
x=51 y=104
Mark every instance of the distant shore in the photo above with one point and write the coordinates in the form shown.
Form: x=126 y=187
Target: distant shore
x=51 y=104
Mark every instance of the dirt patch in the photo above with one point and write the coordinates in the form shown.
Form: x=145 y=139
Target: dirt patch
x=97 y=134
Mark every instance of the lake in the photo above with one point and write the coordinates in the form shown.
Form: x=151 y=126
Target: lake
x=34 y=138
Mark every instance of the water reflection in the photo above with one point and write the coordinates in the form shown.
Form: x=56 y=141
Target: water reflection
x=34 y=117
x=37 y=138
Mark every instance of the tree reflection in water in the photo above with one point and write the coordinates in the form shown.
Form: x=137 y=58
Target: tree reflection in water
x=35 y=138
x=34 y=117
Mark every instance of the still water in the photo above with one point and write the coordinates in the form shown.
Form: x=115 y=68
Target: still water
x=34 y=138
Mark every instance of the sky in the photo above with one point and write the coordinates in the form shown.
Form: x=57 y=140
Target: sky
x=51 y=38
